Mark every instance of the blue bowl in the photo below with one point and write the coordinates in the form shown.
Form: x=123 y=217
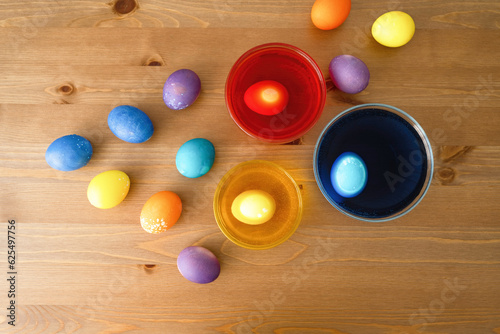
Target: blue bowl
x=397 y=154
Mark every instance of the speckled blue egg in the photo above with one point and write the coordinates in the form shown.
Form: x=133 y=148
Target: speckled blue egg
x=195 y=157
x=181 y=89
x=69 y=153
x=130 y=124
x=198 y=264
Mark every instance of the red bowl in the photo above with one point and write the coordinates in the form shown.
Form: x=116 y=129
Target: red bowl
x=295 y=70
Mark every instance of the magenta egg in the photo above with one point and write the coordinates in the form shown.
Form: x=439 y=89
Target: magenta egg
x=349 y=74
x=198 y=264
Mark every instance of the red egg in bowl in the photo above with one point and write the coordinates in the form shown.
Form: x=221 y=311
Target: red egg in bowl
x=282 y=65
x=266 y=97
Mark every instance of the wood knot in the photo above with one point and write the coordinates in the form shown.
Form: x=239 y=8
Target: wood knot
x=450 y=153
x=66 y=89
x=298 y=141
x=301 y=187
x=154 y=60
x=125 y=7
x=345 y=98
x=446 y=175
x=61 y=101
x=149 y=268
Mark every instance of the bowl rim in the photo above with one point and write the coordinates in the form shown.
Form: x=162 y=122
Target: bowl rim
x=275 y=45
x=422 y=135
x=218 y=215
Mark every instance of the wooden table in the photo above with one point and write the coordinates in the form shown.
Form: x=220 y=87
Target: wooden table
x=65 y=64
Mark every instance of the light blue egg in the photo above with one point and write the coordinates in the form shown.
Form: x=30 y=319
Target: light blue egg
x=195 y=157
x=130 y=124
x=68 y=153
x=349 y=175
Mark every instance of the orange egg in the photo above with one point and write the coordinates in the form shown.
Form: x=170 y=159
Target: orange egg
x=160 y=212
x=329 y=14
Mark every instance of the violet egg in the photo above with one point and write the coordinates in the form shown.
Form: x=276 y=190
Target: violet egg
x=181 y=89
x=198 y=264
x=349 y=74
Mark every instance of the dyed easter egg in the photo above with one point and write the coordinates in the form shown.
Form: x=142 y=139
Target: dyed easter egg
x=253 y=207
x=181 y=89
x=266 y=97
x=393 y=29
x=160 y=212
x=108 y=189
x=349 y=175
x=329 y=14
x=349 y=74
x=195 y=157
x=68 y=153
x=130 y=124
x=198 y=264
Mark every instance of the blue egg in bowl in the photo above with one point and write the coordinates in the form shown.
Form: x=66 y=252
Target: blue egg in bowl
x=195 y=157
x=130 y=124
x=349 y=175
x=69 y=153
x=373 y=162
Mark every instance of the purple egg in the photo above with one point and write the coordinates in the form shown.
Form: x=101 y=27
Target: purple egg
x=181 y=89
x=349 y=74
x=198 y=265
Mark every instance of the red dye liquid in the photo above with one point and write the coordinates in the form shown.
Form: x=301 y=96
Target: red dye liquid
x=295 y=70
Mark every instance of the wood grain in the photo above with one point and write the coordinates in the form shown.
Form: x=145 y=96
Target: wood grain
x=65 y=64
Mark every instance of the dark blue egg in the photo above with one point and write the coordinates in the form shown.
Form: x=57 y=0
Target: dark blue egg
x=130 y=124
x=68 y=153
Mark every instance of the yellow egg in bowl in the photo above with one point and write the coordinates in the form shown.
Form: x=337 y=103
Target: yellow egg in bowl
x=247 y=189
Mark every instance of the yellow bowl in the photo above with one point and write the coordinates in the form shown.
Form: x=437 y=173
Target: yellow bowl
x=261 y=175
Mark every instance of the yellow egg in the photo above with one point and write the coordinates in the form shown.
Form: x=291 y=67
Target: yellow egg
x=393 y=29
x=108 y=189
x=253 y=207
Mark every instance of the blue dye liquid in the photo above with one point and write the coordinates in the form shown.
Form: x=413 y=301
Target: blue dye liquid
x=394 y=155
